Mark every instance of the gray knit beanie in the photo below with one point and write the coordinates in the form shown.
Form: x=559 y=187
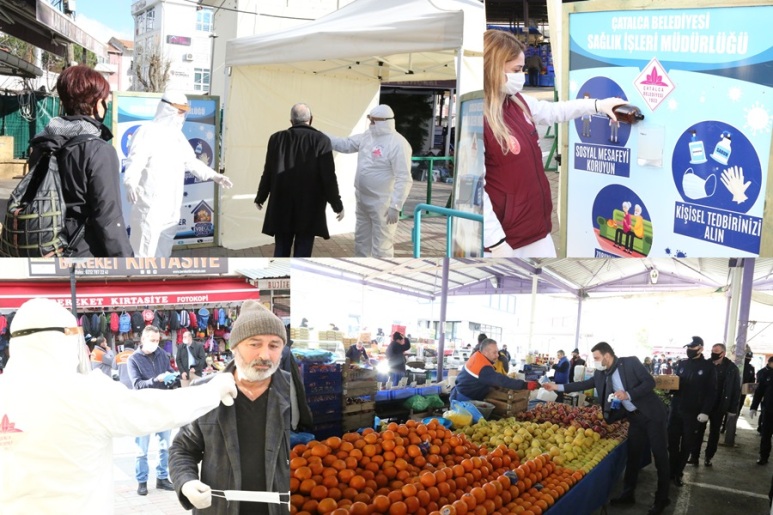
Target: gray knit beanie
x=254 y=319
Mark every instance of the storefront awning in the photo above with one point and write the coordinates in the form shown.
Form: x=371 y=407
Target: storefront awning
x=130 y=295
x=14 y=66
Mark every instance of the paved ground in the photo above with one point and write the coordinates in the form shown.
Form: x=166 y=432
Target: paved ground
x=433 y=229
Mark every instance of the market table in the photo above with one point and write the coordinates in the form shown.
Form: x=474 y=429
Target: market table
x=592 y=491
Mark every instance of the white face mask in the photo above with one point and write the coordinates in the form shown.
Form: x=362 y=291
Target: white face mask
x=149 y=347
x=515 y=82
x=696 y=187
x=599 y=366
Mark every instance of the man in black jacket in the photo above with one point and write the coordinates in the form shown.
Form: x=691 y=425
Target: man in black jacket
x=299 y=175
x=395 y=354
x=576 y=361
x=191 y=358
x=690 y=405
x=626 y=380
x=764 y=395
x=728 y=392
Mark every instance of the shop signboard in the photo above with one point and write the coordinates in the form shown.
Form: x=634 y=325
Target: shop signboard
x=468 y=176
x=124 y=267
x=280 y=283
x=130 y=294
x=690 y=179
x=198 y=223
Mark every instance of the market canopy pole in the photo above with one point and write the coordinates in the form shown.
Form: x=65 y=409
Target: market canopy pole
x=443 y=305
x=736 y=278
x=577 y=328
x=742 y=322
x=534 y=284
x=72 y=291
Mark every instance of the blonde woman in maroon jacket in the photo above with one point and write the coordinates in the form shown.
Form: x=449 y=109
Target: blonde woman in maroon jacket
x=517 y=202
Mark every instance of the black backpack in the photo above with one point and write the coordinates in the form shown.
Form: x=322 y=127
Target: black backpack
x=34 y=222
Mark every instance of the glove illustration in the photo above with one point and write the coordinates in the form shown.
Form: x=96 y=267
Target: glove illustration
x=199 y=494
x=732 y=178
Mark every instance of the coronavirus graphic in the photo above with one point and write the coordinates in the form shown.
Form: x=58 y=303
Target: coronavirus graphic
x=758 y=119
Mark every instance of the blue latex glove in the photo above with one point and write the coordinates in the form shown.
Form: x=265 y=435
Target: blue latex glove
x=169 y=378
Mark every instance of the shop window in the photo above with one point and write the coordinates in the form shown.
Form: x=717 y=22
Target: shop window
x=150 y=19
x=204 y=20
x=201 y=79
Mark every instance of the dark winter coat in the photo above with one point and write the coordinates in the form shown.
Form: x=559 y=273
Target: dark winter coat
x=395 y=354
x=90 y=173
x=197 y=349
x=298 y=180
x=730 y=394
x=212 y=440
x=697 y=387
x=764 y=392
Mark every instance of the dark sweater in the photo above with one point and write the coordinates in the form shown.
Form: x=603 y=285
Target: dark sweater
x=144 y=368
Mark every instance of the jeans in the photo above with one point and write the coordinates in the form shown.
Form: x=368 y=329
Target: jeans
x=141 y=466
x=300 y=245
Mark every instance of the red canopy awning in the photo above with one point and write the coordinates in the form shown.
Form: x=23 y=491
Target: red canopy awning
x=116 y=295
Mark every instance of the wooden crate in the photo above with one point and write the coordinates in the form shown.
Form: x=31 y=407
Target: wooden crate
x=504 y=409
x=356 y=421
x=359 y=407
x=505 y=395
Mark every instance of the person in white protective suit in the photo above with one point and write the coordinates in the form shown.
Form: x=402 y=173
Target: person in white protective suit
x=382 y=182
x=154 y=177
x=58 y=418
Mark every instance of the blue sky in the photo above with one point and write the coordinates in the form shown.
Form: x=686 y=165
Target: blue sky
x=104 y=19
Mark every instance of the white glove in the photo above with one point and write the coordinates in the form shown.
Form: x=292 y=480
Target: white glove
x=260 y=206
x=392 y=216
x=752 y=413
x=226 y=387
x=606 y=105
x=340 y=216
x=703 y=418
x=223 y=181
x=199 y=494
x=131 y=195
x=732 y=414
x=502 y=250
x=732 y=178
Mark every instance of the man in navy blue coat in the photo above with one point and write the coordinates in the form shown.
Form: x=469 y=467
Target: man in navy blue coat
x=627 y=381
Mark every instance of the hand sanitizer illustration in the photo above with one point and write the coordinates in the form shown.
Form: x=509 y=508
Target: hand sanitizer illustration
x=722 y=150
x=199 y=149
x=697 y=150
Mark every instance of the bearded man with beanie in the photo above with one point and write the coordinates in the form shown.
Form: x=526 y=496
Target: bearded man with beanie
x=627 y=390
x=247 y=445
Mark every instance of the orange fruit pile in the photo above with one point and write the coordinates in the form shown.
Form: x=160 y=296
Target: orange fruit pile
x=410 y=468
x=553 y=480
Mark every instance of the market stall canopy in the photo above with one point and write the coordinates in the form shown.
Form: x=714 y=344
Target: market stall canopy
x=578 y=277
x=336 y=65
x=116 y=295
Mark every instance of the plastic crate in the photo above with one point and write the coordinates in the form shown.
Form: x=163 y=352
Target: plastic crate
x=429 y=390
x=327 y=429
x=382 y=395
x=312 y=369
x=403 y=393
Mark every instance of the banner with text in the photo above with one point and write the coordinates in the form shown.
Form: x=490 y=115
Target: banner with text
x=689 y=180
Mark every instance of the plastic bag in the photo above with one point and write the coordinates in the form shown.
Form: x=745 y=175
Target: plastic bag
x=435 y=401
x=459 y=417
x=416 y=403
x=299 y=438
x=469 y=407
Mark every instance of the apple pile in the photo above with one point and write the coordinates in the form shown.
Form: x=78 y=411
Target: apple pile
x=571 y=447
x=589 y=417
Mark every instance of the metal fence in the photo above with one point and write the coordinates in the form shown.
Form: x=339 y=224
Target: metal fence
x=24 y=115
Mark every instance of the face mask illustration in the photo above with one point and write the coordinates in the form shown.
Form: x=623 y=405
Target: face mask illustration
x=695 y=187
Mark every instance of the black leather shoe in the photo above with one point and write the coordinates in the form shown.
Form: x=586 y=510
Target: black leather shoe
x=708 y=462
x=658 y=507
x=677 y=481
x=164 y=484
x=762 y=462
x=142 y=489
x=623 y=499
x=693 y=462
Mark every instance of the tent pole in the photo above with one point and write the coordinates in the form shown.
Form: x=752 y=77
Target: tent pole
x=736 y=276
x=443 y=306
x=577 y=328
x=453 y=101
x=533 y=314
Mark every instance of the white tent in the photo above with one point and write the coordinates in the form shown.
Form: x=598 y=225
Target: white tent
x=336 y=65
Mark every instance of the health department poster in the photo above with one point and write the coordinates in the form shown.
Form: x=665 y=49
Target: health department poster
x=468 y=186
x=198 y=214
x=689 y=180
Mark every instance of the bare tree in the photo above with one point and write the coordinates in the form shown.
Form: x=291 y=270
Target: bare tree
x=157 y=76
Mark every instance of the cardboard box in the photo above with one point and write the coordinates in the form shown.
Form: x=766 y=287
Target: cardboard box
x=748 y=388
x=667 y=382
x=6 y=148
x=505 y=395
x=504 y=409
